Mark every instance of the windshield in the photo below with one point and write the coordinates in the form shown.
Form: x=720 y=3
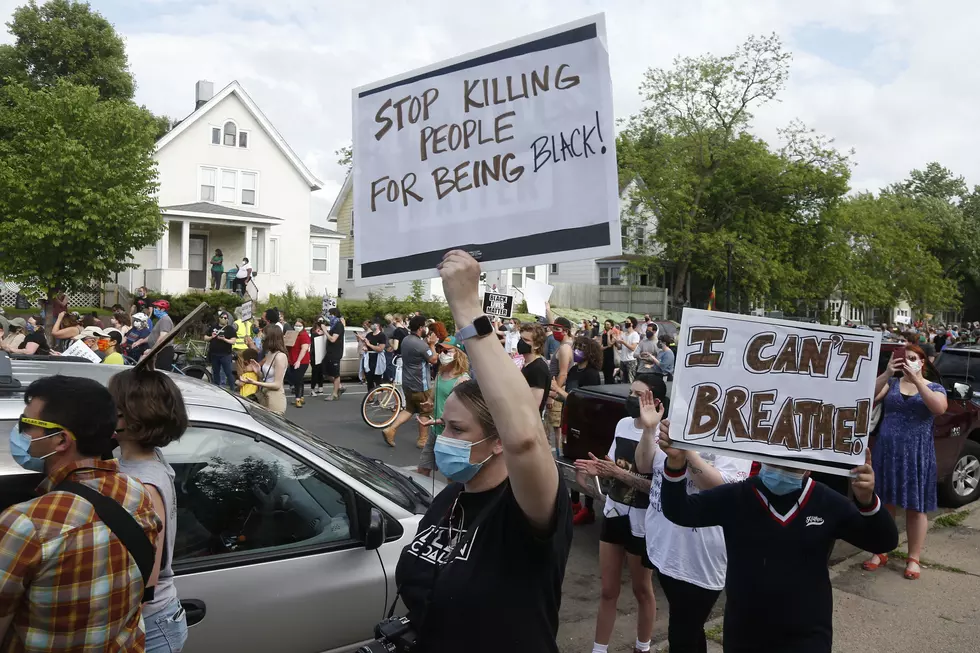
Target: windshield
x=378 y=476
x=957 y=366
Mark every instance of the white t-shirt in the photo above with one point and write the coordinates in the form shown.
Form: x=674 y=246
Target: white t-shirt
x=623 y=500
x=510 y=341
x=244 y=272
x=625 y=354
x=693 y=555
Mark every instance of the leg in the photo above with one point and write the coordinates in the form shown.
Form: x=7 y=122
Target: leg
x=610 y=569
x=690 y=607
x=916 y=525
x=216 y=370
x=299 y=380
x=642 y=579
x=227 y=366
x=877 y=560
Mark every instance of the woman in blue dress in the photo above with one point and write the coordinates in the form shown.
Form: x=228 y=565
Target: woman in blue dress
x=904 y=455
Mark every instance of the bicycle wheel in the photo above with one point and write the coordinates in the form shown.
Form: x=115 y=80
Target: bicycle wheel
x=381 y=406
x=197 y=372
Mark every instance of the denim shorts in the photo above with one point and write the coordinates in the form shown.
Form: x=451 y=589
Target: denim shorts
x=166 y=629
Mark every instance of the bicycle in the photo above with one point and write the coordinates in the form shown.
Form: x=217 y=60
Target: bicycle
x=381 y=406
x=192 y=369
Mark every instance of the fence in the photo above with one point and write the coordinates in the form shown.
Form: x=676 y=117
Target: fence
x=10 y=294
x=624 y=299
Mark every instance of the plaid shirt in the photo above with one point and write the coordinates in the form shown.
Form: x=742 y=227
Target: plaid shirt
x=69 y=582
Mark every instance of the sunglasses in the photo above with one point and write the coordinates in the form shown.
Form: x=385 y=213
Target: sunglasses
x=24 y=423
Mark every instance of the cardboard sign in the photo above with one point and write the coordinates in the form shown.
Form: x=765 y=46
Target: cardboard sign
x=498 y=305
x=79 y=349
x=149 y=359
x=319 y=349
x=508 y=153
x=246 y=311
x=785 y=392
x=537 y=294
x=328 y=303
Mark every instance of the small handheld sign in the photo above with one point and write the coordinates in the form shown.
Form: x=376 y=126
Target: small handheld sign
x=328 y=303
x=498 y=305
x=247 y=311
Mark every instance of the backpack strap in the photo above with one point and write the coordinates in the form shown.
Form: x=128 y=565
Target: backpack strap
x=123 y=525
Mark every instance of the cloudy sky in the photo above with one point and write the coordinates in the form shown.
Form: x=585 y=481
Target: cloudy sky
x=896 y=80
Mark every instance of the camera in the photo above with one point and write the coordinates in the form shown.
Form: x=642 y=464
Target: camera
x=394 y=635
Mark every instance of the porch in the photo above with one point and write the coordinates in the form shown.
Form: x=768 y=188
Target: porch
x=182 y=257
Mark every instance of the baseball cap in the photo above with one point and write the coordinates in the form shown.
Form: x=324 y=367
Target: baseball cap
x=114 y=334
x=453 y=342
x=18 y=322
x=563 y=322
x=91 y=332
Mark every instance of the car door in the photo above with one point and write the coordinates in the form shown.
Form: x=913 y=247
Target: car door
x=267 y=555
x=950 y=429
x=352 y=354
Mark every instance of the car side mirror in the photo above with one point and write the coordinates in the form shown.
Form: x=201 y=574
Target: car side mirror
x=375 y=534
x=963 y=391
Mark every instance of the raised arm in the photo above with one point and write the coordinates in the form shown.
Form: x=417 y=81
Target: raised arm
x=881 y=383
x=711 y=508
x=651 y=416
x=530 y=465
x=866 y=525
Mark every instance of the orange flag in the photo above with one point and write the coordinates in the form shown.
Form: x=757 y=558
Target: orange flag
x=711 y=298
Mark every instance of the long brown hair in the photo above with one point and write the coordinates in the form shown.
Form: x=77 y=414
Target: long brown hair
x=592 y=351
x=469 y=393
x=272 y=340
x=461 y=363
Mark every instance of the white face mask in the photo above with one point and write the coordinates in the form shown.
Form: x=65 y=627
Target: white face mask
x=446 y=358
x=915 y=366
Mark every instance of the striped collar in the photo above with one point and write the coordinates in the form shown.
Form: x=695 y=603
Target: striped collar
x=794 y=510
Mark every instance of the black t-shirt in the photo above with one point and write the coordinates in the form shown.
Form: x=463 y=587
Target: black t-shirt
x=375 y=339
x=335 y=350
x=37 y=337
x=400 y=334
x=538 y=375
x=503 y=554
x=578 y=377
x=608 y=357
x=220 y=347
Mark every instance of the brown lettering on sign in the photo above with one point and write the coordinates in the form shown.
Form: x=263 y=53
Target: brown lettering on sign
x=786 y=360
x=704 y=338
x=844 y=430
x=808 y=409
x=823 y=429
x=704 y=410
x=759 y=417
x=784 y=428
x=862 y=419
x=754 y=362
x=732 y=421
x=854 y=352
x=814 y=356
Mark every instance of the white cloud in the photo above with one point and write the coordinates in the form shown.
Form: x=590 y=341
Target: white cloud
x=912 y=101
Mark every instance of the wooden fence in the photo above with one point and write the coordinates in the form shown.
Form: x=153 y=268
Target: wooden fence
x=625 y=299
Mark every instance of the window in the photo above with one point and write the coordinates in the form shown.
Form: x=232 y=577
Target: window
x=231 y=133
x=215 y=136
x=352 y=223
x=626 y=239
x=237 y=495
x=554 y=268
x=320 y=254
x=229 y=182
x=350 y=269
x=516 y=279
x=609 y=275
x=248 y=188
x=208 y=184
x=273 y=256
x=639 y=240
x=243 y=139
x=529 y=272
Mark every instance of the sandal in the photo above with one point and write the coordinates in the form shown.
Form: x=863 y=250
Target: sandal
x=871 y=565
x=909 y=574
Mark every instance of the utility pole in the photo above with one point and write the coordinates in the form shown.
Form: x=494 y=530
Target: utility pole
x=728 y=290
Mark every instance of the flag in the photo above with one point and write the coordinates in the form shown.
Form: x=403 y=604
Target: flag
x=711 y=298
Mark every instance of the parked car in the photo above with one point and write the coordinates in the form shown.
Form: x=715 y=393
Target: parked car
x=284 y=542
x=591 y=413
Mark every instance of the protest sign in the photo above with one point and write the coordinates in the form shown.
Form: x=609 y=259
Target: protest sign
x=246 y=311
x=508 y=153
x=328 y=303
x=771 y=390
x=536 y=294
x=319 y=349
x=79 y=349
x=498 y=305
x=149 y=358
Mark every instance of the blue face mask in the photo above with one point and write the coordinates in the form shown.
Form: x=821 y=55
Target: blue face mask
x=20 y=450
x=158 y=313
x=780 y=481
x=453 y=459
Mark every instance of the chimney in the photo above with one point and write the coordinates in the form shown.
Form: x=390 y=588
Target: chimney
x=204 y=92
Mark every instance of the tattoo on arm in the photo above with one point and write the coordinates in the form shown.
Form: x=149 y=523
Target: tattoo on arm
x=694 y=470
x=637 y=482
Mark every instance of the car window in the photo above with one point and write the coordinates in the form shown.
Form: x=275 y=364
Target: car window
x=960 y=367
x=235 y=494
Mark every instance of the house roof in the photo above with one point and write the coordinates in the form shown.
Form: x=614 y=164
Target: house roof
x=316 y=231
x=216 y=209
x=236 y=89
x=339 y=200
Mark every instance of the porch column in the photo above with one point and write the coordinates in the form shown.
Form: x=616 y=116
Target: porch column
x=185 y=244
x=248 y=245
x=163 y=247
x=266 y=254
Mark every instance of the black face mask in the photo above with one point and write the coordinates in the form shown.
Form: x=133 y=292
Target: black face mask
x=650 y=335
x=633 y=407
x=523 y=348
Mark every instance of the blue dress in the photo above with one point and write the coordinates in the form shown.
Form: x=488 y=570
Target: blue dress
x=904 y=454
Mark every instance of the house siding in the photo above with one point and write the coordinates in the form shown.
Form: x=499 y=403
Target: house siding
x=582 y=271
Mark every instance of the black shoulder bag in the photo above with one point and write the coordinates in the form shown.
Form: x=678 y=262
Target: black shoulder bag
x=123 y=525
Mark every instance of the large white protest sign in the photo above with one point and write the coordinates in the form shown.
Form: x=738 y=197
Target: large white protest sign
x=774 y=390
x=508 y=153
x=79 y=349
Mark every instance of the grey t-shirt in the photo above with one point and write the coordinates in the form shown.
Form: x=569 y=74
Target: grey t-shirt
x=160 y=475
x=162 y=325
x=415 y=364
x=647 y=346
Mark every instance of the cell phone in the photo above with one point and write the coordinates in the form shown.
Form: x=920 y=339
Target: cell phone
x=900 y=352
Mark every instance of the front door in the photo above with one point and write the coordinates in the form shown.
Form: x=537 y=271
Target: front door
x=197 y=275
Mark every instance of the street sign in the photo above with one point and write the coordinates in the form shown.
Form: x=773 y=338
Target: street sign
x=498 y=305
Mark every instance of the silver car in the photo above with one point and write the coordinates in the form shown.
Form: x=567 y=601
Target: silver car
x=284 y=542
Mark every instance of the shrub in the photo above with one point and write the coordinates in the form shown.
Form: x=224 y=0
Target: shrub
x=182 y=305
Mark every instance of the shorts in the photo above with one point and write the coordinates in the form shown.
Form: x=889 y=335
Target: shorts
x=414 y=401
x=617 y=530
x=553 y=415
x=331 y=369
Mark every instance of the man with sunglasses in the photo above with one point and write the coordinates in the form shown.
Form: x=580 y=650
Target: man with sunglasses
x=67 y=580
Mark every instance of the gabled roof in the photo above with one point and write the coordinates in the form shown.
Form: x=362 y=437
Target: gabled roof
x=316 y=231
x=216 y=209
x=339 y=200
x=236 y=88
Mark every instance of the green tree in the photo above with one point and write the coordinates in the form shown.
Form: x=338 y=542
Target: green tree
x=66 y=40
x=345 y=157
x=77 y=184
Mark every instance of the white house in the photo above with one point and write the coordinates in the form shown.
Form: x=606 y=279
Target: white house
x=229 y=181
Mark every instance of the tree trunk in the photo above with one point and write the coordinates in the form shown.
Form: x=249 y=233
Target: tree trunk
x=680 y=283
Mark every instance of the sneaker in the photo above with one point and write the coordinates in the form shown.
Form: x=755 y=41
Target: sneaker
x=342 y=391
x=315 y=392
x=576 y=507
x=582 y=517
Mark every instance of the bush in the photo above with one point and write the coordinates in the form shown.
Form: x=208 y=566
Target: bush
x=355 y=311
x=182 y=305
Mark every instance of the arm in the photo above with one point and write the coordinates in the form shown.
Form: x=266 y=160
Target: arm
x=711 y=508
x=302 y=352
x=651 y=417
x=881 y=382
x=628 y=345
x=526 y=453
x=20 y=556
x=279 y=366
x=564 y=363
x=549 y=314
x=537 y=393
x=934 y=400
x=703 y=473
x=160 y=509
x=865 y=525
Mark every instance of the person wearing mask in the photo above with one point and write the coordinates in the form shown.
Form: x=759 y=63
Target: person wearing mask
x=272 y=316
x=666 y=356
x=242 y=276
x=162 y=326
x=375 y=344
x=137 y=336
x=628 y=342
x=560 y=363
x=905 y=453
x=91 y=337
x=243 y=333
x=535 y=369
x=109 y=348
x=67 y=576
x=585 y=372
x=335 y=352
x=512 y=335
x=217 y=269
x=121 y=321
x=151 y=415
x=318 y=342
x=773 y=559
x=299 y=361
x=221 y=338
x=271 y=372
x=646 y=353
x=454 y=369
x=624 y=524
x=35 y=344
x=418 y=354
x=608 y=343
x=507 y=506
x=15 y=335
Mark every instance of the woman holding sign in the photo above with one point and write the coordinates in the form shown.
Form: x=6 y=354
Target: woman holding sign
x=905 y=454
